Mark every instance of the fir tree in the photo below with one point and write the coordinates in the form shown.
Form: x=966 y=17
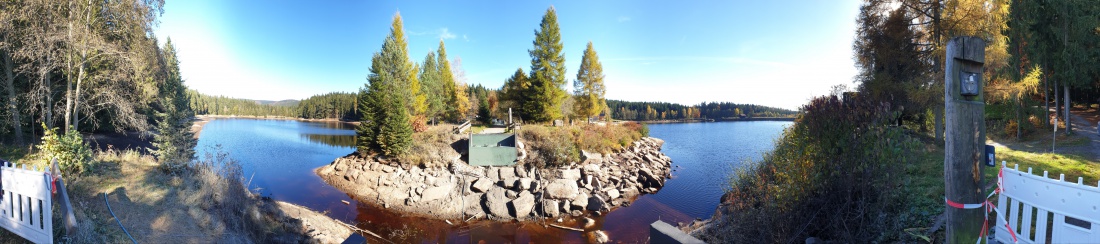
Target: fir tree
x=547 y=71
x=174 y=141
x=386 y=102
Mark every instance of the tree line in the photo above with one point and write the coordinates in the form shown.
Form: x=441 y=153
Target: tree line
x=641 y=111
x=91 y=66
x=1037 y=56
x=221 y=105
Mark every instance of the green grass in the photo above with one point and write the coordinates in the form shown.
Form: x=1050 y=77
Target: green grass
x=1072 y=166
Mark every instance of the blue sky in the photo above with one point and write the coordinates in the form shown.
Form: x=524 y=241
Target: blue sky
x=775 y=53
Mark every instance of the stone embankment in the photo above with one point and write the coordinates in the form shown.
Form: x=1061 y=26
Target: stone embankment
x=597 y=185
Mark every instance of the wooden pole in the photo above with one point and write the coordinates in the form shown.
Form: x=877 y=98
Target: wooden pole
x=964 y=140
x=64 y=204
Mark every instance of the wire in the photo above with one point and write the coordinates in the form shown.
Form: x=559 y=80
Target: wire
x=116 y=218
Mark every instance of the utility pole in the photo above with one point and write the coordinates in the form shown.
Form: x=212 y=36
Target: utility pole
x=964 y=110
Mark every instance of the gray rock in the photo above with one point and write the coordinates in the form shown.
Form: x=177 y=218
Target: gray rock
x=438 y=192
x=588 y=222
x=570 y=174
x=522 y=206
x=482 y=185
x=511 y=194
x=601 y=237
x=550 y=208
x=507 y=174
x=524 y=183
x=596 y=203
x=561 y=189
x=472 y=203
x=612 y=193
x=580 y=201
x=565 y=206
x=521 y=172
x=497 y=203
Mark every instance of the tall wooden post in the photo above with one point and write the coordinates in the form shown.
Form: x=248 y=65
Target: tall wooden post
x=964 y=114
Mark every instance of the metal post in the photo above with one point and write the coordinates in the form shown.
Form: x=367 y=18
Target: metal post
x=965 y=137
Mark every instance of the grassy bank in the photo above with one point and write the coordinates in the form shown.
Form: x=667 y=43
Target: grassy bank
x=205 y=202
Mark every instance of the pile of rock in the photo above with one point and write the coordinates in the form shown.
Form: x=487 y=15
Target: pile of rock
x=598 y=184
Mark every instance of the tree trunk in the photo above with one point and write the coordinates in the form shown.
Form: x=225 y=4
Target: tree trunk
x=1066 y=105
x=938 y=112
x=9 y=81
x=1046 y=97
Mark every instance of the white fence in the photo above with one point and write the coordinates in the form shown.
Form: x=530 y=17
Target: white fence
x=26 y=203
x=1044 y=210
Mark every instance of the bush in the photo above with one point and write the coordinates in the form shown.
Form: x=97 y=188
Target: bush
x=73 y=156
x=548 y=146
x=836 y=174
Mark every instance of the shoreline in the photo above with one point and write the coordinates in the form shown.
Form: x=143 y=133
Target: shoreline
x=201 y=120
x=714 y=120
x=596 y=186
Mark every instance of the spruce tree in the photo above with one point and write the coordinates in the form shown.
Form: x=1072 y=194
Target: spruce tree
x=386 y=103
x=174 y=141
x=588 y=87
x=515 y=93
x=547 y=71
x=432 y=86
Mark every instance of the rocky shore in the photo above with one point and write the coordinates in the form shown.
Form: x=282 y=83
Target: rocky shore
x=597 y=185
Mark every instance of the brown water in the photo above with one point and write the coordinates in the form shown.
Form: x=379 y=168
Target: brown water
x=280 y=155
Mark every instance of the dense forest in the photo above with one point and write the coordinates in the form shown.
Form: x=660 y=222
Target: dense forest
x=639 y=111
x=335 y=105
x=221 y=105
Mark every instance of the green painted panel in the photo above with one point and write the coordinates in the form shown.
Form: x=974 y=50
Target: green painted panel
x=492 y=149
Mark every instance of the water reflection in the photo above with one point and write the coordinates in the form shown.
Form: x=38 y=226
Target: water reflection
x=331 y=140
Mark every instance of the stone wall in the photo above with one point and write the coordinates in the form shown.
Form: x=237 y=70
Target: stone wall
x=597 y=185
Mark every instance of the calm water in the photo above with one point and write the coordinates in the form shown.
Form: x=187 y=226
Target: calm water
x=282 y=154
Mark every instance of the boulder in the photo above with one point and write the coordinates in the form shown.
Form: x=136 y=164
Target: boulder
x=507 y=174
x=522 y=206
x=595 y=203
x=473 y=204
x=497 y=203
x=550 y=208
x=481 y=185
x=612 y=193
x=601 y=237
x=580 y=201
x=511 y=194
x=588 y=222
x=570 y=174
x=561 y=189
x=524 y=183
x=437 y=192
x=521 y=172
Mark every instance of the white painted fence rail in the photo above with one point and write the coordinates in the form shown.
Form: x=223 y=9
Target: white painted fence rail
x=26 y=203
x=1039 y=208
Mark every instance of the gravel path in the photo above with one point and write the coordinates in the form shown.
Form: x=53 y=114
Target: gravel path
x=1087 y=129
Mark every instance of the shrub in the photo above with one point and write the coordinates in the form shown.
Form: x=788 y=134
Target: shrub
x=549 y=146
x=73 y=156
x=835 y=174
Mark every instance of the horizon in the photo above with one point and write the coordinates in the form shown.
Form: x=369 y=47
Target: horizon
x=685 y=53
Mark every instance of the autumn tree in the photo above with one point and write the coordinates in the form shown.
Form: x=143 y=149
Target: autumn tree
x=174 y=141
x=588 y=88
x=455 y=101
x=385 y=102
x=547 y=71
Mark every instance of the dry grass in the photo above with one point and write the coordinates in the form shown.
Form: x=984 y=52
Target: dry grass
x=432 y=148
x=204 y=203
x=554 y=146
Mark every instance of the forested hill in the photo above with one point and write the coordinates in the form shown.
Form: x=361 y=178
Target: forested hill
x=336 y=105
x=625 y=110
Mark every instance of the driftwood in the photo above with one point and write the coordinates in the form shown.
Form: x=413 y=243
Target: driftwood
x=357 y=229
x=567 y=228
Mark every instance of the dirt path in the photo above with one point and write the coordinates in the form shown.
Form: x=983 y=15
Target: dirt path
x=1087 y=129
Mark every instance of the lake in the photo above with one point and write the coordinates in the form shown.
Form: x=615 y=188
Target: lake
x=278 y=158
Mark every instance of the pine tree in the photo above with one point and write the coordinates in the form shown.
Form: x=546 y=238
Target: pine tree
x=588 y=87
x=386 y=101
x=514 y=94
x=174 y=141
x=433 y=88
x=547 y=71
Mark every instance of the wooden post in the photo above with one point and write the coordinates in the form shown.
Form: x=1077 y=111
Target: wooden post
x=63 y=202
x=965 y=138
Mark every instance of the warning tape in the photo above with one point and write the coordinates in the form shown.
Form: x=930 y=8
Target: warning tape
x=988 y=208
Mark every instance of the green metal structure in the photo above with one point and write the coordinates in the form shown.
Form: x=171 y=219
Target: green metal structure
x=492 y=149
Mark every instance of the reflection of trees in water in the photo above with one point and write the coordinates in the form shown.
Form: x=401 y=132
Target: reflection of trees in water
x=331 y=140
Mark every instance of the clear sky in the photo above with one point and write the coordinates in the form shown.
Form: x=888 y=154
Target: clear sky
x=775 y=53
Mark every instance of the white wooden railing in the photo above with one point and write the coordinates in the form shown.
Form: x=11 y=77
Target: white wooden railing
x=1044 y=210
x=26 y=203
